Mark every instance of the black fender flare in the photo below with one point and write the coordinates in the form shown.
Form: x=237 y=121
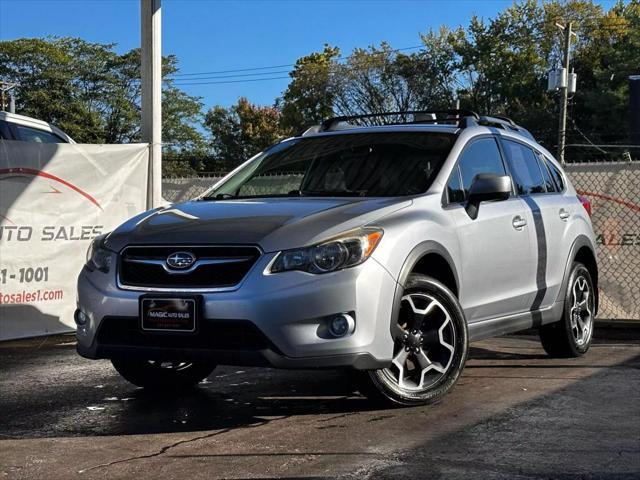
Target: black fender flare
x=419 y=251
x=579 y=242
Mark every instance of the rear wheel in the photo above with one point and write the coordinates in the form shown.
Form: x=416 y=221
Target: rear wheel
x=571 y=336
x=430 y=347
x=155 y=374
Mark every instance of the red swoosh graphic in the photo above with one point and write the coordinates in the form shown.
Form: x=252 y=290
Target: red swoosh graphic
x=40 y=173
x=7 y=219
x=624 y=203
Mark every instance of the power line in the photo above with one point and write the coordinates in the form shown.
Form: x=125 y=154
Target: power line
x=277 y=66
x=575 y=126
x=233 y=81
x=215 y=77
x=232 y=71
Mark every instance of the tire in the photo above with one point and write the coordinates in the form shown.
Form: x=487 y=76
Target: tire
x=430 y=347
x=572 y=335
x=157 y=375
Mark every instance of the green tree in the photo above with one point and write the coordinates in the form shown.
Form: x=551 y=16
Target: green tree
x=608 y=52
x=309 y=98
x=503 y=63
x=241 y=131
x=93 y=93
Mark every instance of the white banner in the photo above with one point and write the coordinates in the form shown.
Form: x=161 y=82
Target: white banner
x=54 y=198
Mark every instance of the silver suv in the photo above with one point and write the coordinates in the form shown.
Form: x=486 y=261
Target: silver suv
x=385 y=249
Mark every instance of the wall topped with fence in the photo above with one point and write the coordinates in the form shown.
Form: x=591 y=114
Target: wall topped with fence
x=181 y=189
x=614 y=191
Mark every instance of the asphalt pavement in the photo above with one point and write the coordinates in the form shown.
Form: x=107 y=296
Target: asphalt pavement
x=515 y=414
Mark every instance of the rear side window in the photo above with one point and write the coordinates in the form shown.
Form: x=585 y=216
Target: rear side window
x=481 y=156
x=525 y=169
x=4 y=131
x=34 y=135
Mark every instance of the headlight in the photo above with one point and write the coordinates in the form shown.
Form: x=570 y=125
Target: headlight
x=344 y=251
x=98 y=257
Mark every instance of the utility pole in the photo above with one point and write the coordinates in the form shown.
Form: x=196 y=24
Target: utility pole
x=634 y=108
x=151 y=33
x=4 y=88
x=564 y=89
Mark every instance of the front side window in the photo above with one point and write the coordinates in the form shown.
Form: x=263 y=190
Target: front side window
x=356 y=164
x=481 y=156
x=455 y=193
x=524 y=169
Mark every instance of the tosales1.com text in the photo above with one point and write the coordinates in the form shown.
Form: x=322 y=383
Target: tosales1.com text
x=29 y=297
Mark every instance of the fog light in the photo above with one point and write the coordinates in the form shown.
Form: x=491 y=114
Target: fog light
x=80 y=318
x=342 y=324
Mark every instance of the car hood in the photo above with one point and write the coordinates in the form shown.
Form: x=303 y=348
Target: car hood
x=272 y=223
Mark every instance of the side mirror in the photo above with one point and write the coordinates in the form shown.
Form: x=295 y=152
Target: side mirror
x=486 y=187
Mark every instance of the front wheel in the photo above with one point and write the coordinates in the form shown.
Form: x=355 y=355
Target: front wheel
x=430 y=347
x=571 y=336
x=155 y=374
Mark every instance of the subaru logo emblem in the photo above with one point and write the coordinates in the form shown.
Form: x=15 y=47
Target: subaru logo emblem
x=180 y=260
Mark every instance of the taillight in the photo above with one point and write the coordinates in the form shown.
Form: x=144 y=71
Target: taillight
x=585 y=203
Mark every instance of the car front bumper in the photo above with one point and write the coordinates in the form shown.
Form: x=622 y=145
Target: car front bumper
x=284 y=314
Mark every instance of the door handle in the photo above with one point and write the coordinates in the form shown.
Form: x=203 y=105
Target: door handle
x=563 y=214
x=518 y=222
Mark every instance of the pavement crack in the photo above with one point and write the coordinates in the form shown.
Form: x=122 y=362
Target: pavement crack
x=335 y=417
x=157 y=453
x=166 y=448
x=382 y=417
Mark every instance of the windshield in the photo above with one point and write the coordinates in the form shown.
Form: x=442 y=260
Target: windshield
x=364 y=165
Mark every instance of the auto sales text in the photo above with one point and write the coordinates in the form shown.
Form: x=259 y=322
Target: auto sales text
x=49 y=233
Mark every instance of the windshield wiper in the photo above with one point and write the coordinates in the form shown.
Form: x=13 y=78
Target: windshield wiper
x=219 y=196
x=330 y=193
x=229 y=196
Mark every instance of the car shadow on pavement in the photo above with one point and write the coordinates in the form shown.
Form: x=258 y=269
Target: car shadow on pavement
x=90 y=399
x=586 y=429
x=216 y=406
x=480 y=353
x=55 y=393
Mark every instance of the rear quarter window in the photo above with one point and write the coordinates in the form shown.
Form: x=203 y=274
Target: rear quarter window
x=557 y=175
x=546 y=174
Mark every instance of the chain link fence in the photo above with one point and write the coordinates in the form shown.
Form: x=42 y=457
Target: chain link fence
x=181 y=189
x=613 y=189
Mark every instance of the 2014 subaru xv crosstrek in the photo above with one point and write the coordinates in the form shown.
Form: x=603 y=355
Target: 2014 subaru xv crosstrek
x=385 y=249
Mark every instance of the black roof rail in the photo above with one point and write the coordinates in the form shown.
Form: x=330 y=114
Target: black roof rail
x=463 y=118
x=503 y=122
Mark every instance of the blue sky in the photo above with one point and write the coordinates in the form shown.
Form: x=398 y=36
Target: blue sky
x=216 y=35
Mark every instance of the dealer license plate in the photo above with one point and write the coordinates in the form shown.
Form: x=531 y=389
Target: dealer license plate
x=168 y=314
